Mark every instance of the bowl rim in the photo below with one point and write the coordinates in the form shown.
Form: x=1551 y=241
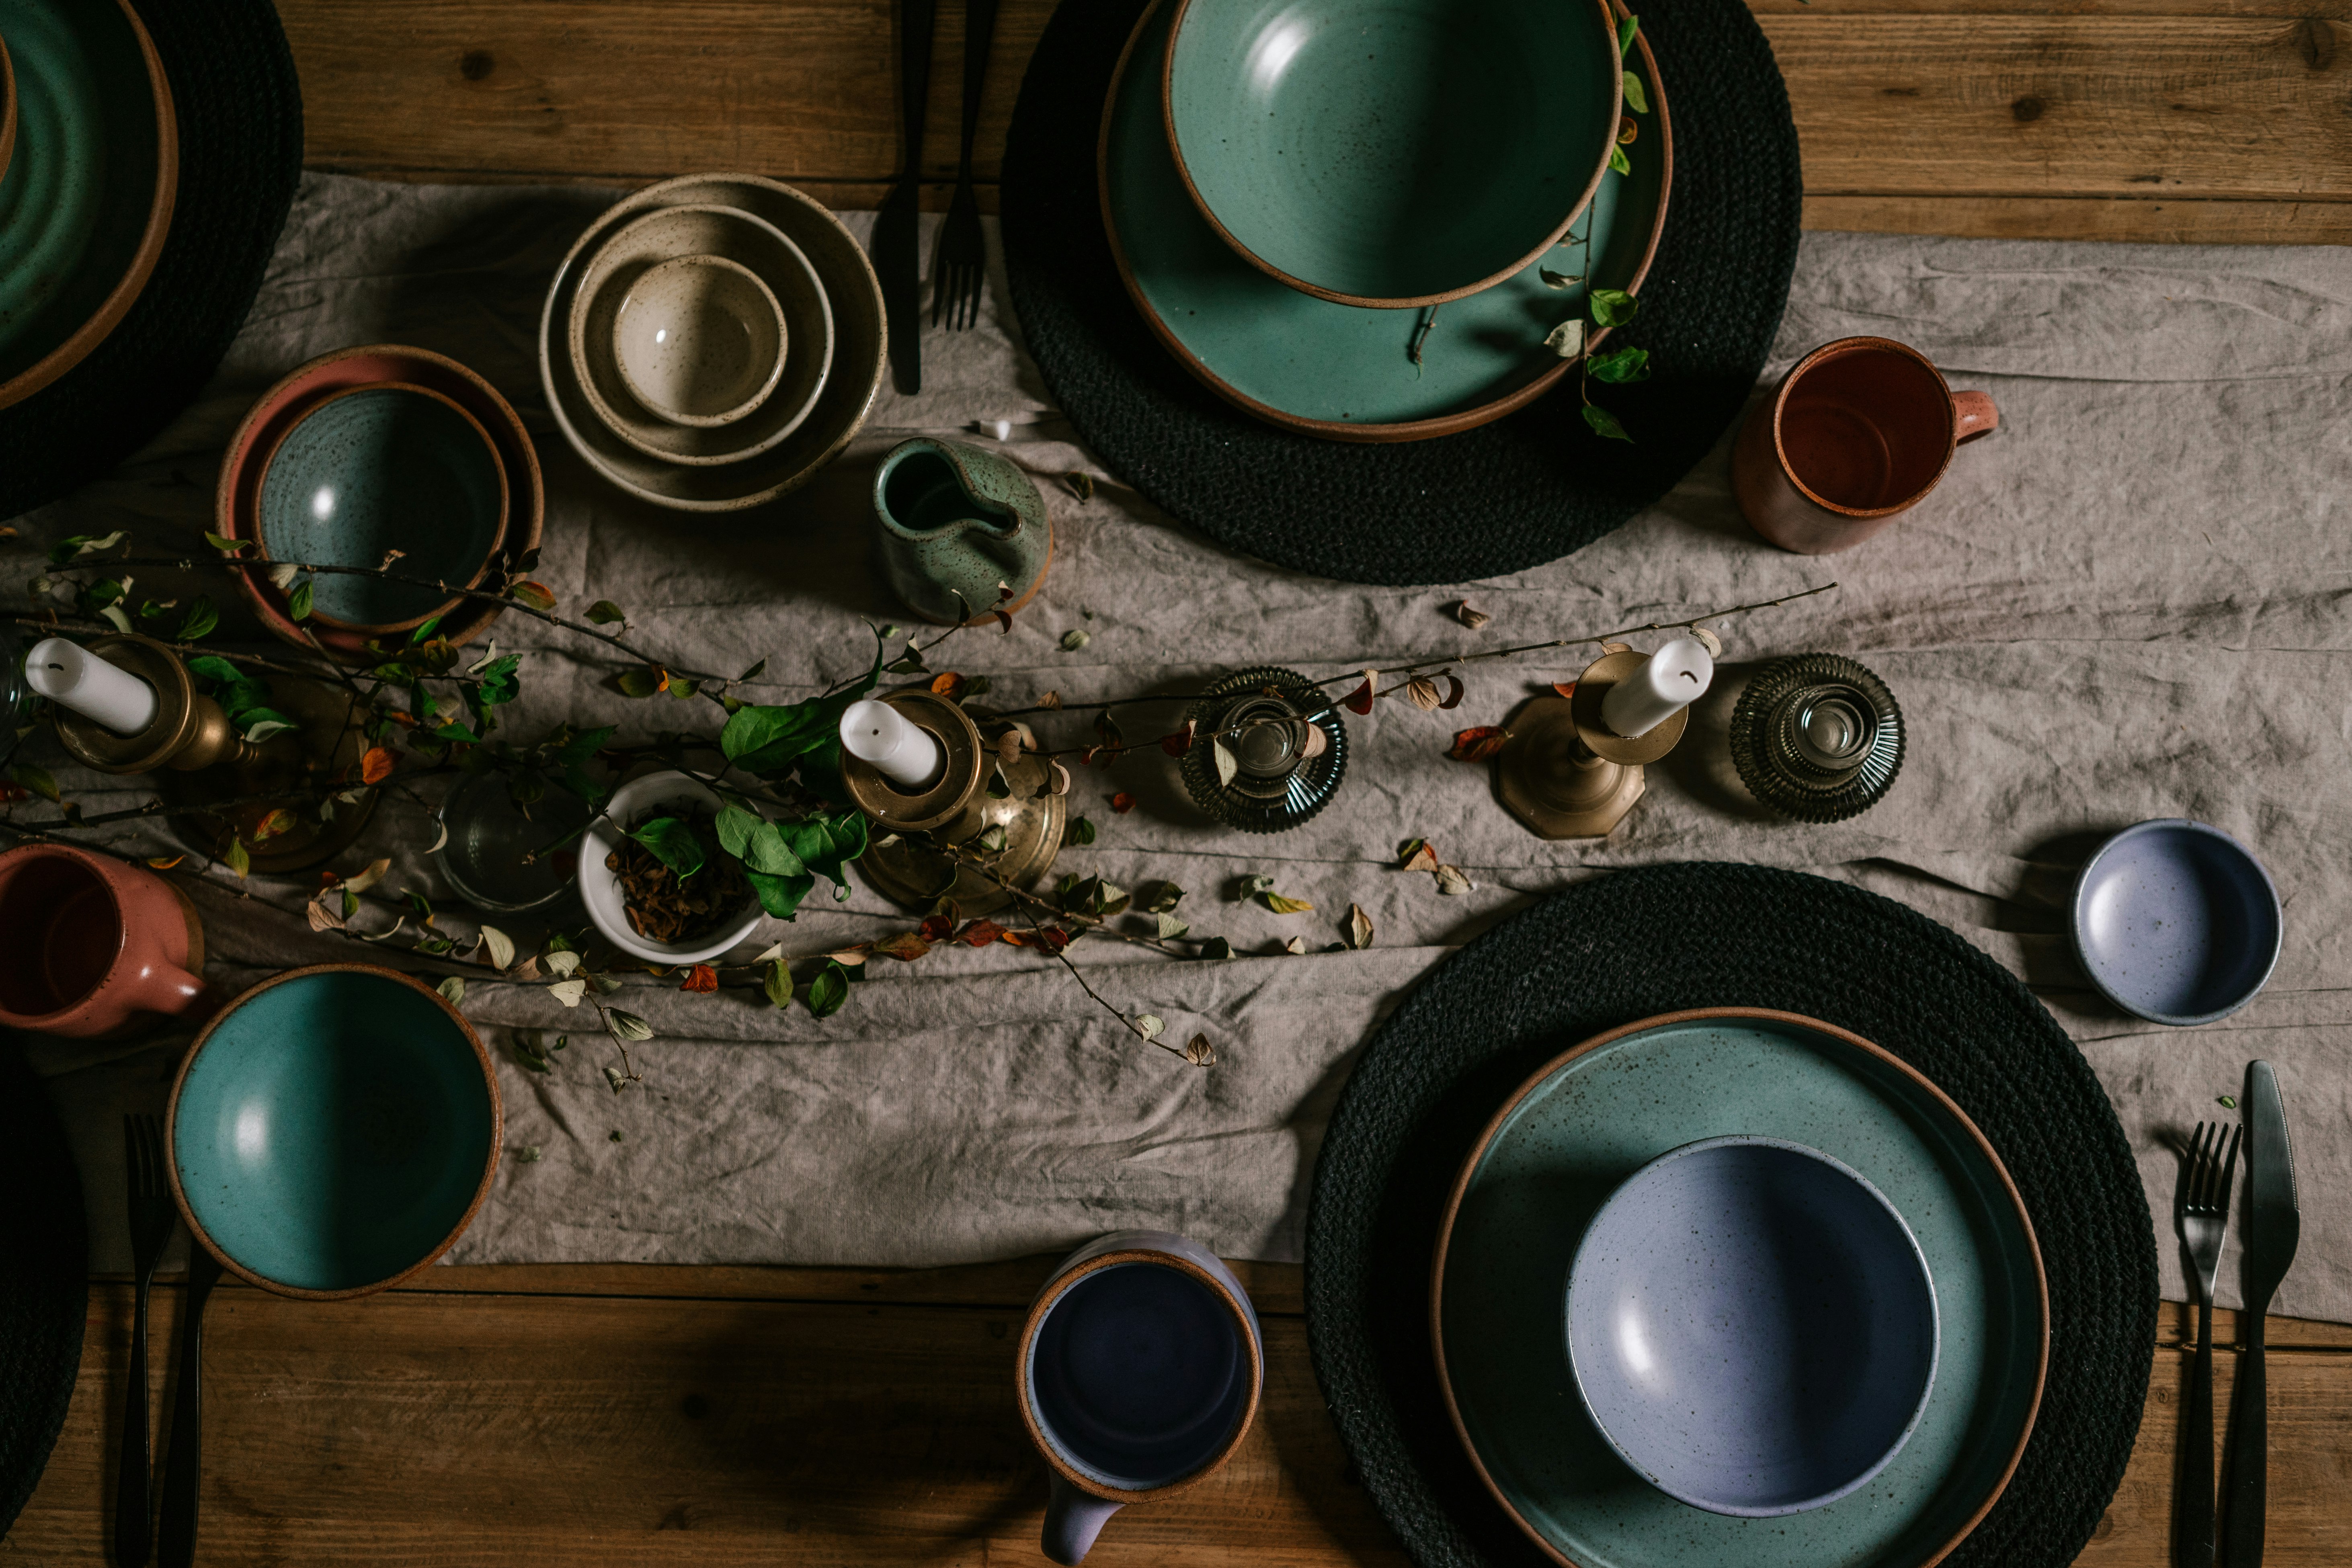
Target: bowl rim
x=698 y=261
x=1403 y=301
x=481 y=1189
x=498 y=533
x=1961 y=1119
x=1925 y=1273
x=2079 y=937
x=8 y=108
x=594 y=881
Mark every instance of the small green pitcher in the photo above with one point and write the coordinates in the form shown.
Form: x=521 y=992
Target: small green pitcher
x=956 y=523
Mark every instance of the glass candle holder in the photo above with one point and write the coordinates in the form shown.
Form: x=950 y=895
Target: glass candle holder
x=1261 y=714
x=497 y=858
x=1817 y=737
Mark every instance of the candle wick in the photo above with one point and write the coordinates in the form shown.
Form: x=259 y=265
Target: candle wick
x=1690 y=676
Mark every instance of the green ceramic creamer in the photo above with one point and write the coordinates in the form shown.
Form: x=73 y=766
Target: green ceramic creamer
x=954 y=520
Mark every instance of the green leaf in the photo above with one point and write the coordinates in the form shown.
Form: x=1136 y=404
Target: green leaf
x=674 y=843
x=35 y=779
x=202 y=618
x=735 y=829
x=629 y=1026
x=603 y=613
x=424 y=634
x=1625 y=31
x=453 y=988
x=236 y=858
x=638 y=682
x=262 y=728
x=1618 y=163
x=298 y=603
x=1081 y=831
x=1620 y=365
x=113 y=615
x=1216 y=947
x=829 y=990
x=212 y=666
x=1074 y=639
x=778 y=983
x=1282 y=906
x=780 y=896
x=1604 y=423
x=767 y=851
x=827 y=844
x=1637 y=97
x=1171 y=928
x=228 y=546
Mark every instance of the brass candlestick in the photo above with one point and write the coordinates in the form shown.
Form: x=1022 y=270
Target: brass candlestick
x=205 y=761
x=1564 y=773
x=915 y=871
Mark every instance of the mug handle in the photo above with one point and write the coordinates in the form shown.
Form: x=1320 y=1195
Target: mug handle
x=1974 y=414
x=1072 y=1520
x=171 y=991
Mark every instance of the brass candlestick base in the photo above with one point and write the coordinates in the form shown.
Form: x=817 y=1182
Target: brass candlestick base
x=914 y=871
x=206 y=762
x=1564 y=773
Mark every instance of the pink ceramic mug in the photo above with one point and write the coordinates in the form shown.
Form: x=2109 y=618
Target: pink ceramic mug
x=91 y=946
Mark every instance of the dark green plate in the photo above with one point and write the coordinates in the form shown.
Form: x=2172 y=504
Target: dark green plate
x=1590 y=1118
x=1343 y=370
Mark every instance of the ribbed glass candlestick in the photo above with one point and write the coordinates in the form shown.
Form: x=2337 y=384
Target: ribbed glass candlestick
x=1277 y=784
x=1817 y=737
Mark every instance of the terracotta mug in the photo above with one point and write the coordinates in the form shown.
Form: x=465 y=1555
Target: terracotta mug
x=1140 y=1374
x=1858 y=432
x=90 y=946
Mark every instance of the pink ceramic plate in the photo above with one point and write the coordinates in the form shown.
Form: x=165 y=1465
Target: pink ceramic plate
x=278 y=409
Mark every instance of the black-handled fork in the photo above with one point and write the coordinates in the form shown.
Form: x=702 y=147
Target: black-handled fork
x=2204 y=1222
x=151 y=1219
x=959 y=273
x=184 y=1462
x=896 y=263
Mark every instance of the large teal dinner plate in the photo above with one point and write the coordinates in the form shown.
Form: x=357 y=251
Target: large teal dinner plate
x=1593 y=1117
x=333 y=1131
x=1346 y=371
x=88 y=197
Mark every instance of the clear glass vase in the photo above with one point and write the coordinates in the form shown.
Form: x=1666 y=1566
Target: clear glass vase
x=1817 y=737
x=1264 y=714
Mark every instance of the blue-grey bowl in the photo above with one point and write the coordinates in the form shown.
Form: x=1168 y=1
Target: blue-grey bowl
x=391 y=477
x=333 y=1131
x=2176 y=921
x=1752 y=1326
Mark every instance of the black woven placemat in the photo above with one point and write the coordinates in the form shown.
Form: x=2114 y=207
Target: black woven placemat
x=240 y=114
x=1638 y=943
x=1507 y=496
x=43 y=1281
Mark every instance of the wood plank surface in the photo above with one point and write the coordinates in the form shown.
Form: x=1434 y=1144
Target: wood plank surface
x=822 y=1417
x=2149 y=120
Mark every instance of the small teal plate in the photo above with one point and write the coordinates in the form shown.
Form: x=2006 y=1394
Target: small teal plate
x=333 y=1131
x=1344 y=372
x=1578 y=1129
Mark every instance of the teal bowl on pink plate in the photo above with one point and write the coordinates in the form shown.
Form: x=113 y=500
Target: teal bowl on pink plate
x=333 y=1131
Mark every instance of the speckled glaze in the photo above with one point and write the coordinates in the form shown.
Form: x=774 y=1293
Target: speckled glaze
x=2177 y=923
x=1751 y=1326
x=379 y=469
x=1140 y=1371
x=700 y=340
x=611 y=274
x=98 y=948
x=333 y=1131
x=1564 y=1142
x=1390 y=155
x=956 y=519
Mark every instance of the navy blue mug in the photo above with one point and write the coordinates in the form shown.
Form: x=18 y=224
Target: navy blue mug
x=1140 y=1373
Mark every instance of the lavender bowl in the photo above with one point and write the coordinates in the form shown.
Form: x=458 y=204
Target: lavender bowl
x=2177 y=923
x=1752 y=1326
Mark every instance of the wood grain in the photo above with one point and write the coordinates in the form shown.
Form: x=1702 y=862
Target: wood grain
x=820 y=1416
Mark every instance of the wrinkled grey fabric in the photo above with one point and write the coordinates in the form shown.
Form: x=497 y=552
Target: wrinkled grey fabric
x=2131 y=601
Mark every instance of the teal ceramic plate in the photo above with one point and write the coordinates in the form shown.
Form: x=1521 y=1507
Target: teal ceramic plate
x=1402 y=153
x=333 y=1131
x=88 y=197
x=1592 y=1118
x=1344 y=372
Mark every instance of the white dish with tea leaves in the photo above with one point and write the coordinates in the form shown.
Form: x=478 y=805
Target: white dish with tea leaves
x=655 y=794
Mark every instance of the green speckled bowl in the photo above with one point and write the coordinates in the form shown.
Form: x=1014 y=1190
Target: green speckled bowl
x=1392 y=154
x=333 y=1131
x=1574 y=1132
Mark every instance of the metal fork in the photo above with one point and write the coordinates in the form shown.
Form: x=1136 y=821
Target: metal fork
x=2203 y=1200
x=960 y=272
x=151 y=1219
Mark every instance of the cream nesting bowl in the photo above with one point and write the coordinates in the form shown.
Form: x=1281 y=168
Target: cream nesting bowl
x=628 y=260
x=700 y=340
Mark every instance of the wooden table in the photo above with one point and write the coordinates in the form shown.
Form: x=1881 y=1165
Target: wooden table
x=590 y=1414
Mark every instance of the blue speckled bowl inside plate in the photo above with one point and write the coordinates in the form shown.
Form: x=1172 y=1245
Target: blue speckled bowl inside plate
x=2177 y=923
x=1752 y=1326
x=333 y=1131
x=377 y=469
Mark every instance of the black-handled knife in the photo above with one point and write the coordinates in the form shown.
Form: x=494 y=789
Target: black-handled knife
x=2273 y=1226
x=896 y=254
x=183 y=1465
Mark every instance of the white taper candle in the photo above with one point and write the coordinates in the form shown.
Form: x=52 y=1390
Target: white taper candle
x=1675 y=676
x=69 y=674
x=878 y=733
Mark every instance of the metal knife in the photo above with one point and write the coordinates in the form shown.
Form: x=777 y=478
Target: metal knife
x=2274 y=1225
x=896 y=254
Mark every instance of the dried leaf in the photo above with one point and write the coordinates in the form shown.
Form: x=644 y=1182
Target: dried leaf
x=1565 y=688
x=1477 y=744
x=1216 y=947
x=1177 y=744
x=1359 y=928
x=1472 y=618
x=1360 y=699
x=948 y=684
x=1051 y=701
x=1453 y=690
x=1228 y=766
x=278 y=822
x=1122 y=803
x=320 y=917
x=526 y=970
x=853 y=957
x=528 y=1154
x=1074 y=639
x=235 y=856
x=702 y=977
x=1566 y=340
x=1283 y=905
x=1424 y=693
x=603 y=613
x=1162 y=897
x=281 y=577
x=1559 y=279
x=453 y=989
x=1709 y=640
x=1628 y=129
x=499 y=946
x=161 y=863
x=1082 y=485
x=939 y=927
x=532 y=595
x=1171 y=928
x=1317 y=740
x=1415 y=854
x=1150 y=1025
x=1200 y=1053
x=613 y=1076
x=361 y=881
x=980 y=933
x=1295 y=944
x=1057 y=779
x=1450 y=881
x=907 y=946
x=1008 y=748
x=569 y=992
x=629 y=1025
x=561 y=962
